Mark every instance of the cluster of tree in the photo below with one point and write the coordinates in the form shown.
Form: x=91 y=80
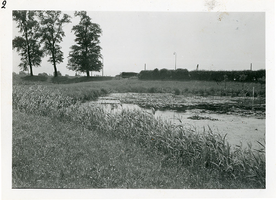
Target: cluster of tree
x=128 y=74
x=184 y=74
x=43 y=74
x=164 y=74
x=41 y=35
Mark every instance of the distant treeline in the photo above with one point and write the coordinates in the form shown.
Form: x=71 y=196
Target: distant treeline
x=128 y=74
x=184 y=74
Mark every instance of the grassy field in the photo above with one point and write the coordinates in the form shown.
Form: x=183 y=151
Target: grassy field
x=200 y=88
x=59 y=148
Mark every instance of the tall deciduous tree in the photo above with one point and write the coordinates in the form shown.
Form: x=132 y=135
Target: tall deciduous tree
x=26 y=44
x=85 y=55
x=51 y=34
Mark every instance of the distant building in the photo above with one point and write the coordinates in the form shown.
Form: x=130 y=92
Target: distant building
x=128 y=74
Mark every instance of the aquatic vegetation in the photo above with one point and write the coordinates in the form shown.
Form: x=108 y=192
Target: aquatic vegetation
x=168 y=101
x=197 y=117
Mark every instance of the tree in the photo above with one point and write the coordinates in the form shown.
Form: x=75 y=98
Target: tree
x=27 y=44
x=85 y=55
x=51 y=33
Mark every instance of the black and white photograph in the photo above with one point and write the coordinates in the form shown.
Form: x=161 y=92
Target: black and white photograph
x=137 y=100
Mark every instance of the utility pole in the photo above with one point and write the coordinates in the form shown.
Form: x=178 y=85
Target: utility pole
x=145 y=67
x=175 y=60
x=250 y=66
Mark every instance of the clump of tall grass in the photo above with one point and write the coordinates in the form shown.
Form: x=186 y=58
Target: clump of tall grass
x=40 y=100
x=202 y=152
x=83 y=94
x=43 y=98
x=198 y=151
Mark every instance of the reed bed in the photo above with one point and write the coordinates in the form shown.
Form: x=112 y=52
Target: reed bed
x=201 y=152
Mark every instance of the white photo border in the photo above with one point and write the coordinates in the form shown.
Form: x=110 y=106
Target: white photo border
x=266 y=6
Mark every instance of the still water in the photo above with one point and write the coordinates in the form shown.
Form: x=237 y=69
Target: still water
x=238 y=128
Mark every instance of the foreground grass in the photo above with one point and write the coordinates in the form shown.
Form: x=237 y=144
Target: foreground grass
x=48 y=153
x=207 y=155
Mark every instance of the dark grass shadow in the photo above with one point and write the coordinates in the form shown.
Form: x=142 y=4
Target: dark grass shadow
x=35 y=78
x=68 y=80
x=17 y=79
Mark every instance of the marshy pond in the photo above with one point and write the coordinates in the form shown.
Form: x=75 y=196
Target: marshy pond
x=243 y=120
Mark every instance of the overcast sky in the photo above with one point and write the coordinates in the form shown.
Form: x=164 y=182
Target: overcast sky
x=215 y=41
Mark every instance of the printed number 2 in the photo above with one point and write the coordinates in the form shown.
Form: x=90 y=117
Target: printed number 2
x=4 y=4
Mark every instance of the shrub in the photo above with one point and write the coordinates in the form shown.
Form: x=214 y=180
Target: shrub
x=43 y=74
x=22 y=73
x=152 y=90
x=58 y=73
x=176 y=91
